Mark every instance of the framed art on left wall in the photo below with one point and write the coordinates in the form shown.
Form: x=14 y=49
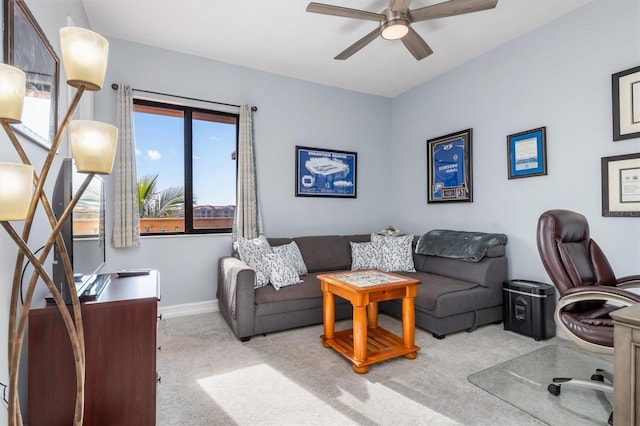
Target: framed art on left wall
x=27 y=48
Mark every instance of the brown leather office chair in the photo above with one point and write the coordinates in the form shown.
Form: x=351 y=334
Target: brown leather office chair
x=587 y=287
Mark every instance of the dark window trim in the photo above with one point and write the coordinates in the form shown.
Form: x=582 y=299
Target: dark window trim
x=188 y=113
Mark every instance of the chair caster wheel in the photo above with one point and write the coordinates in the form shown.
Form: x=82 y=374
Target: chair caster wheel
x=597 y=377
x=554 y=389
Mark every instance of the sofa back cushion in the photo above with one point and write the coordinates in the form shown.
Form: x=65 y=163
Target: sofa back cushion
x=324 y=252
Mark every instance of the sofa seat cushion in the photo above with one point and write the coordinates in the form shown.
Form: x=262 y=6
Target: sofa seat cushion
x=309 y=288
x=434 y=286
x=305 y=295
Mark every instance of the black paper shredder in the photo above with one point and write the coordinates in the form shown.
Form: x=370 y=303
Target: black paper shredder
x=528 y=308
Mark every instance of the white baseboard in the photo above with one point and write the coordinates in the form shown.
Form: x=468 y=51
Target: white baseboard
x=186 y=309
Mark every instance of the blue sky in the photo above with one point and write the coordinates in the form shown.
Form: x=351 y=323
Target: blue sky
x=159 y=150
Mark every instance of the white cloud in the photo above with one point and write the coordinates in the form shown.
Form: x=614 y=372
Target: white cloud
x=152 y=154
x=138 y=152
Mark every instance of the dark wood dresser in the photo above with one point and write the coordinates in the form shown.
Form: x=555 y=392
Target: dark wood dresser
x=120 y=330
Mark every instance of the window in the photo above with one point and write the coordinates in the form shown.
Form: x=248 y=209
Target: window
x=186 y=161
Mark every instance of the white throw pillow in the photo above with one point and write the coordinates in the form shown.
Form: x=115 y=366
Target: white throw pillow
x=251 y=252
x=282 y=272
x=291 y=253
x=365 y=255
x=396 y=252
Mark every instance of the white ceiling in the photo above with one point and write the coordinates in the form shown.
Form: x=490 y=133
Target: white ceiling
x=279 y=36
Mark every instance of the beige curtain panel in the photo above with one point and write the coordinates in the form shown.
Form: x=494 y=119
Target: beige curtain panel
x=126 y=220
x=247 y=221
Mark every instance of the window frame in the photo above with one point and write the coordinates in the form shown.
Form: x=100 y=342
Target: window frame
x=188 y=112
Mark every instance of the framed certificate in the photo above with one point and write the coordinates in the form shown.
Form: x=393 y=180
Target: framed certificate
x=449 y=168
x=621 y=186
x=527 y=153
x=625 y=90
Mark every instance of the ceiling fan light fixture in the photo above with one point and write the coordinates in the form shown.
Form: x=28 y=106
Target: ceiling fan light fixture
x=395 y=30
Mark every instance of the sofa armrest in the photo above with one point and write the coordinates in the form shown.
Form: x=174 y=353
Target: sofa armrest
x=490 y=272
x=236 y=295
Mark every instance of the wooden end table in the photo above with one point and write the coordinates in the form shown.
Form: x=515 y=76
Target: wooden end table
x=366 y=343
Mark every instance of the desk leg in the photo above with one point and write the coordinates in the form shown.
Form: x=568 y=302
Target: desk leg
x=360 y=338
x=328 y=316
x=409 y=325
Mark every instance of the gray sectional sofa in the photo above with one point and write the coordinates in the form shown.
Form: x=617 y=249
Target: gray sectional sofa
x=455 y=294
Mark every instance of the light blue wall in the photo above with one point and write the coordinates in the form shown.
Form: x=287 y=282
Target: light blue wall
x=290 y=112
x=558 y=76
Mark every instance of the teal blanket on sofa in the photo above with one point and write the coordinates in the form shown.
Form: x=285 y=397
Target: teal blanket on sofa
x=458 y=244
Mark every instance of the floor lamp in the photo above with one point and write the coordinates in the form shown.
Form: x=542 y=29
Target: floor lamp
x=93 y=145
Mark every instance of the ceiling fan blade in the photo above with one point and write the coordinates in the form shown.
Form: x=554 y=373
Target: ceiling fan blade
x=399 y=5
x=346 y=53
x=450 y=8
x=345 y=12
x=416 y=45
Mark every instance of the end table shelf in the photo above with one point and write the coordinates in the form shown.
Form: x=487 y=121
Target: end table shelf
x=381 y=346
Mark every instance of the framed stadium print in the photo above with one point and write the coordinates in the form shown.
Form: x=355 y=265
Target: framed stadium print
x=449 y=168
x=325 y=173
x=527 y=153
x=625 y=91
x=621 y=186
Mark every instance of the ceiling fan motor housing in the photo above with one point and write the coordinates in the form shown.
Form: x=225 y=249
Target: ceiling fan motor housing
x=395 y=25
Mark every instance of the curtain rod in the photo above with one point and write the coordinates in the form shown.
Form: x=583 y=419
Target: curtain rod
x=114 y=86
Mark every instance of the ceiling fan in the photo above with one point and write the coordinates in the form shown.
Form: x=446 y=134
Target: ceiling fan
x=395 y=21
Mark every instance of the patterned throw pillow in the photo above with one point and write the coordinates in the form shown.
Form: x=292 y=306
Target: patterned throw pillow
x=282 y=272
x=365 y=255
x=291 y=253
x=396 y=252
x=251 y=252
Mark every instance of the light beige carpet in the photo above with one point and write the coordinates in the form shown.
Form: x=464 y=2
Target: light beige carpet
x=289 y=378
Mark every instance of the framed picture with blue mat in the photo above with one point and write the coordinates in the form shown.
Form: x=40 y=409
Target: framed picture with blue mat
x=527 y=153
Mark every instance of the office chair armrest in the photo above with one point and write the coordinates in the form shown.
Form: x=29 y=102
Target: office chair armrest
x=629 y=281
x=598 y=292
x=587 y=293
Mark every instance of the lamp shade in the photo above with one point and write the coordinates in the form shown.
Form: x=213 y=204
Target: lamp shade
x=16 y=186
x=12 y=88
x=85 y=55
x=93 y=145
